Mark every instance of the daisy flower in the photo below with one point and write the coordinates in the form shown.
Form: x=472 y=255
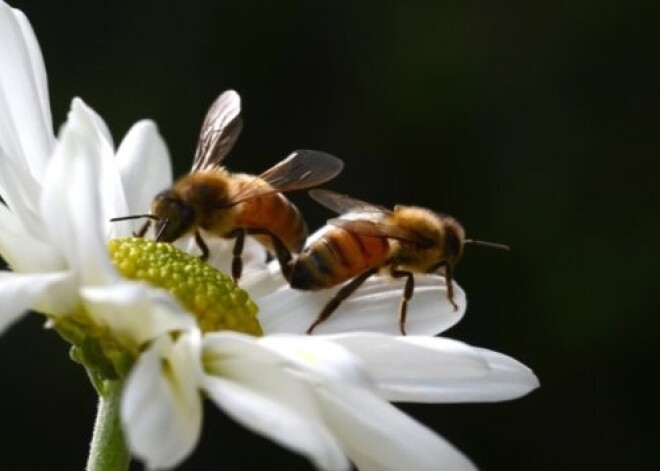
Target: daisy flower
x=325 y=397
x=159 y=330
x=53 y=221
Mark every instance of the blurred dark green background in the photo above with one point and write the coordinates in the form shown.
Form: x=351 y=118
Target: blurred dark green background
x=535 y=123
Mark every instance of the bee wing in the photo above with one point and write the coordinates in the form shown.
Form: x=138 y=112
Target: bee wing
x=220 y=129
x=301 y=170
x=376 y=228
x=342 y=204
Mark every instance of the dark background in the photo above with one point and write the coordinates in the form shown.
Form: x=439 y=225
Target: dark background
x=535 y=123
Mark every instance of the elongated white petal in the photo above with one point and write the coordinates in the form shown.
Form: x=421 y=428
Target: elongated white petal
x=373 y=307
x=72 y=188
x=261 y=409
x=25 y=123
x=108 y=182
x=508 y=379
x=23 y=251
x=405 y=359
x=219 y=347
x=20 y=192
x=320 y=360
x=261 y=280
x=144 y=166
x=161 y=408
x=135 y=312
x=379 y=437
x=19 y=292
x=40 y=81
x=435 y=369
x=249 y=383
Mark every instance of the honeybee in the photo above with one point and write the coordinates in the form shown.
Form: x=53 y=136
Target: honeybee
x=210 y=200
x=369 y=239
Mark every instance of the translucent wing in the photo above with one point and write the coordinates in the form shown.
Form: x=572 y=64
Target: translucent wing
x=301 y=170
x=342 y=204
x=364 y=218
x=220 y=129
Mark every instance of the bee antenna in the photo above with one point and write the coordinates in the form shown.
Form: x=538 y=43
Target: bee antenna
x=163 y=226
x=485 y=243
x=135 y=216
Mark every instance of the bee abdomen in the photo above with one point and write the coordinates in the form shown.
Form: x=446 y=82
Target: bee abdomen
x=277 y=215
x=336 y=257
x=315 y=268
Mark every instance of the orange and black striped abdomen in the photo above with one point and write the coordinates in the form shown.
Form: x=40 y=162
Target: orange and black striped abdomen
x=276 y=214
x=337 y=256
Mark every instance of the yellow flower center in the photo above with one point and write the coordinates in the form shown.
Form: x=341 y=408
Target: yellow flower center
x=211 y=296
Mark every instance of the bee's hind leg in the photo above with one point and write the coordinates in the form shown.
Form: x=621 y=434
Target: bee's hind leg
x=344 y=292
x=281 y=252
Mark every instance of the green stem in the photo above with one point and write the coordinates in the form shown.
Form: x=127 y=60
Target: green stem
x=108 y=450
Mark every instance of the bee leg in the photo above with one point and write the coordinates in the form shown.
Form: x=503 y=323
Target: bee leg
x=281 y=252
x=407 y=294
x=342 y=294
x=143 y=230
x=202 y=246
x=237 y=260
x=449 y=277
x=283 y=257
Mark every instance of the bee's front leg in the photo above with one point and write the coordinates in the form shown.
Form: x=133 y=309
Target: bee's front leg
x=143 y=230
x=202 y=246
x=407 y=294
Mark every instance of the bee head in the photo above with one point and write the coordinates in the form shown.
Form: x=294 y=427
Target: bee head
x=174 y=216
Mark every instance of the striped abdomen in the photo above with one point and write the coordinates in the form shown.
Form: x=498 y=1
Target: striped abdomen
x=337 y=256
x=275 y=214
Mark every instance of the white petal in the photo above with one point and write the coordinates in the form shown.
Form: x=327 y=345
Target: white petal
x=22 y=251
x=246 y=381
x=25 y=122
x=254 y=256
x=71 y=203
x=263 y=280
x=20 y=192
x=373 y=307
x=19 y=292
x=508 y=379
x=39 y=75
x=413 y=368
x=319 y=360
x=144 y=166
x=262 y=410
x=218 y=347
x=377 y=436
x=161 y=409
x=436 y=370
x=97 y=124
x=135 y=312
x=108 y=182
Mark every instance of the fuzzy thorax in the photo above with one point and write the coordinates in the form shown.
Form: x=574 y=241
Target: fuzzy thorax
x=437 y=238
